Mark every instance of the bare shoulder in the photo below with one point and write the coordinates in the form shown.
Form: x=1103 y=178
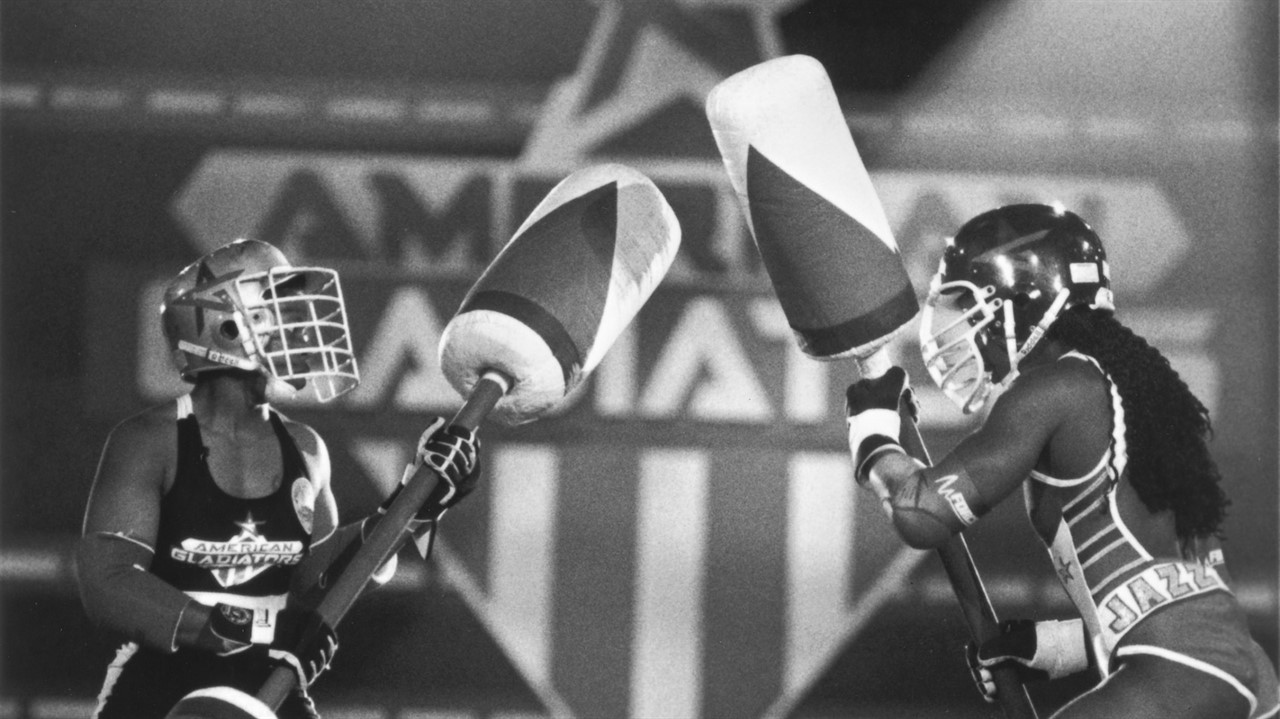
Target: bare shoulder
x=1058 y=386
x=148 y=429
x=1046 y=399
x=136 y=467
x=1068 y=404
x=312 y=446
x=304 y=435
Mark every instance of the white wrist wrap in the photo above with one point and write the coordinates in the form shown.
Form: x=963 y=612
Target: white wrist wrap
x=1060 y=648
x=871 y=422
x=264 y=626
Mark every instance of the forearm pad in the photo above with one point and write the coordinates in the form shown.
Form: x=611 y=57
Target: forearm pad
x=122 y=596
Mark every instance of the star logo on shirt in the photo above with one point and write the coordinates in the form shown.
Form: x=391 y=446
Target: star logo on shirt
x=248 y=529
x=245 y=555
x=645 y=56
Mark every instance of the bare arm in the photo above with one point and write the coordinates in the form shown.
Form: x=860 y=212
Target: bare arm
x=929 y=504
x=332 y=546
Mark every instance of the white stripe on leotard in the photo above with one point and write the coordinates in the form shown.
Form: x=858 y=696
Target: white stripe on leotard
x=1194 y=664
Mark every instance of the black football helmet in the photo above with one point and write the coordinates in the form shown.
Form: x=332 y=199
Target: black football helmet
x=1003 y=279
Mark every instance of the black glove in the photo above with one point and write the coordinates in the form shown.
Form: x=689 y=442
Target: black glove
x=871 y=406
x=304 y=642
x=296 y=635
x=883 y=392
x=1036 y=650
x=453 y=453
x=982 y=677
x=232 y=628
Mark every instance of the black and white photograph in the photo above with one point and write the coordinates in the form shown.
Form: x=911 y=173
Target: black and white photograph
x=639 y=359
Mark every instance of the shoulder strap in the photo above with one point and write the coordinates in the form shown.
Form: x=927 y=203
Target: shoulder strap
x=294 y=464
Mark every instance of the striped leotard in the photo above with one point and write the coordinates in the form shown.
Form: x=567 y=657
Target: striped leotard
x=1133 y=600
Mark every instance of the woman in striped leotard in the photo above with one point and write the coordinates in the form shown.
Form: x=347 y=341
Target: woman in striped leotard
x=1108 y=446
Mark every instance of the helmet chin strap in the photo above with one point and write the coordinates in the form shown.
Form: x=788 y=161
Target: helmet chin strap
x=279 y=390
x=249 y=339
x=1037 y=333
x=1010 y=341
x=222 y=358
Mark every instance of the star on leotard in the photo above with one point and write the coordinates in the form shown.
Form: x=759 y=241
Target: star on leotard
x=1064 y=570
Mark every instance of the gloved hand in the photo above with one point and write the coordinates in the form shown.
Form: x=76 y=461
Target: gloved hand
x=304 y=642
x=871 y=407
x=232 y=628
x=1037 y=651
x=453 y=453
x=296 y=635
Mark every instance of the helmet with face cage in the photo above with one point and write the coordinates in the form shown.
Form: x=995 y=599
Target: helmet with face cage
x=243 y=306
x=1003 y=279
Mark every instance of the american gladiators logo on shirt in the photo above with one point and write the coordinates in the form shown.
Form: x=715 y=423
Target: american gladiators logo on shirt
x=238 y=559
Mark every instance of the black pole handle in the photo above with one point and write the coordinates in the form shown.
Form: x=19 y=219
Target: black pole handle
x=388 y=535
x=972 y=595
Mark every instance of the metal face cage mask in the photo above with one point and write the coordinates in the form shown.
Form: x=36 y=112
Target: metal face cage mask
x=953 y=323
x=952 y=338
x=299 y=331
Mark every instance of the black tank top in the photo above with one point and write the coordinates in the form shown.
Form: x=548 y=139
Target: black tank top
x=210 y=542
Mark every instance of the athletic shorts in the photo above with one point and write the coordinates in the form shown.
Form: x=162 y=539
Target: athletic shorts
x=1208 y=633
x=146 y=684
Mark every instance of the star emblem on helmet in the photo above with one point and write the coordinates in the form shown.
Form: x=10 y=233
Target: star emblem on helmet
x=210 y=293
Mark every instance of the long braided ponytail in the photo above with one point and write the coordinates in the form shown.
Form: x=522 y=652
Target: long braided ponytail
x=1167 y=426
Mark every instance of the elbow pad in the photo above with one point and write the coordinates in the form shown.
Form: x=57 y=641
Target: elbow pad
x=960 y=496
x=928 y=509
x=121 y=595
x=920 y=529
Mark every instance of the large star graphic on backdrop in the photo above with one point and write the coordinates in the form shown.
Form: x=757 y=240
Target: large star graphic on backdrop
x=643 y=55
